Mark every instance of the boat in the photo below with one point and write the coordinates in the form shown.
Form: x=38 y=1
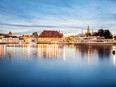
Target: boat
x=93 y=40
x=95 y=43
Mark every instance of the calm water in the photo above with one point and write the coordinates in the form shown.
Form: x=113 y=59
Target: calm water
x=57 y=65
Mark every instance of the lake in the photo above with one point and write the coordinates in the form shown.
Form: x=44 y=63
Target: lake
x=53 y=65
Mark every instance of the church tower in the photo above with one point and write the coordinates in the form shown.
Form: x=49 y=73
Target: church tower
x=88 y=29
x=10 y=33
x=88 y=33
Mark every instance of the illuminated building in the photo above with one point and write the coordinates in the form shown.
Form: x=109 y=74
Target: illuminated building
x=94 y=39
x=21 y=41
x=2 y=35
x=25 y=38
x=10 y=33
x=10 y=39
x=0 y=40
x=49 y=36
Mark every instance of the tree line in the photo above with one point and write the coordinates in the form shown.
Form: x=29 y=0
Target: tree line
x=103 y=33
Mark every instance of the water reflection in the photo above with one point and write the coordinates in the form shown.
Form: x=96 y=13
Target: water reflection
x=88 y=52
x=64 y=54
x=85 y=52
x=2 y=51
x=52 y=51
x=114 y=60
x=114 y=55
x=40 y=50
x=89 y=55
x=57 y=65
x=49 y=50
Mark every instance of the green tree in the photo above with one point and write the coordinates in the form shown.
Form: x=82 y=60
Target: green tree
x=114 y=37
x=68 y=39
x=103 y=33
x=35 y=35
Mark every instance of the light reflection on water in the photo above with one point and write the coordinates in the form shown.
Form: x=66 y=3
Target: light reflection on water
x=54 y=51
x=51 y=61
x=40 y=50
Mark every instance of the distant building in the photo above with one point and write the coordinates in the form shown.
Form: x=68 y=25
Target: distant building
x=10 y=33
x=93 y=39
x=88 y=33
x=33 y=41
x=9 y=38
x=49 y=36
x=3 y=35
x=21 y=41
x=81 y=34
x=25 y=38
x=0 y=40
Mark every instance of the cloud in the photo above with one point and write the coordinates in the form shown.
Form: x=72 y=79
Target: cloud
x=18 y=25
x=66 y=15
x=38 y=26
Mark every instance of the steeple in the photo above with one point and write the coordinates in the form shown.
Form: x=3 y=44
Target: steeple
x=10 y=33
x=88 y=29
x=88 y=33
x=82 y=31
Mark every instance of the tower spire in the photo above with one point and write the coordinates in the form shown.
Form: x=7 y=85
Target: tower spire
x=88 y=33
x=10 y=33
x=88 y=29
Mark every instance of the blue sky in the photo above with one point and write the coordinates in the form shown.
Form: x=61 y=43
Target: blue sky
x=68 y=16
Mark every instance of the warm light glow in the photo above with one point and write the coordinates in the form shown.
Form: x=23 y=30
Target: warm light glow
x=89 y=55
x=114 y=56
x=48 y=50
x=64 y=53
x=114 y=47
x=114 y=60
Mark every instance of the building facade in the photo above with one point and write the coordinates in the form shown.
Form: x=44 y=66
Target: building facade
x=49 y=36
x=9 y=38
x=91 y=39
x=25 y=38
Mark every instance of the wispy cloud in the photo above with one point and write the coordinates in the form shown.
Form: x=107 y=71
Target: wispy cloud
x=66 y=15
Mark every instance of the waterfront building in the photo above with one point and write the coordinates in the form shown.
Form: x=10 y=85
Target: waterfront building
x=33 y=41
x=9 y=38
x=88 y=38
x=2 y=35
x=0 y=40
x=50 y=36
x=91 y=39
x=21 y=41
x=25 y=38
x=81 y=34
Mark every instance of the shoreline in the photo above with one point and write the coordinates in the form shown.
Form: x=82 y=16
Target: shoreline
x=75 y=43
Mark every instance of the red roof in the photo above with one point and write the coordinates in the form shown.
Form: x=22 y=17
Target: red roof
x=50 y=34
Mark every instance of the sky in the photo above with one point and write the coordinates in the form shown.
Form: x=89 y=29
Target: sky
x=66 y=16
